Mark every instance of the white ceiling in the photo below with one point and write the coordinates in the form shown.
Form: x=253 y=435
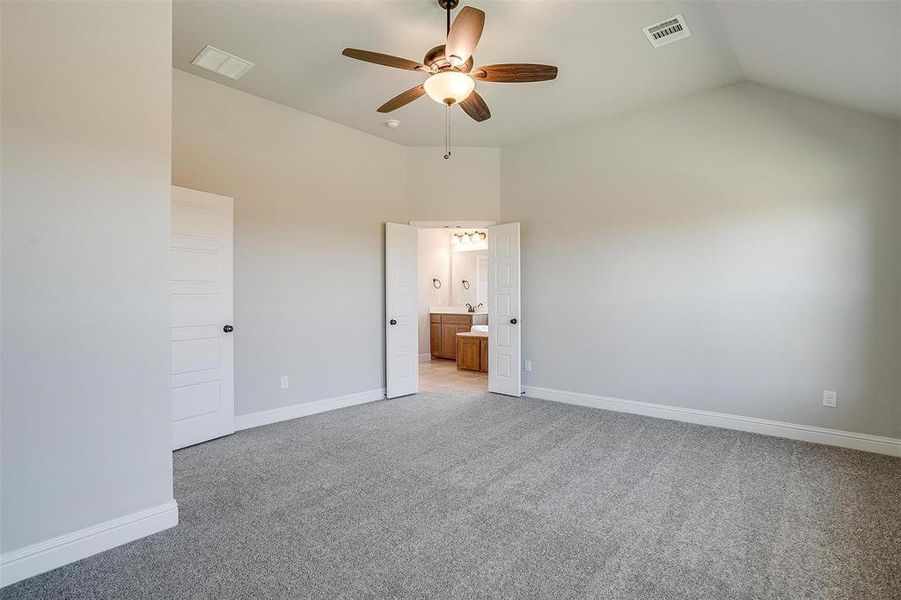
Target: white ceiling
x=843 y=52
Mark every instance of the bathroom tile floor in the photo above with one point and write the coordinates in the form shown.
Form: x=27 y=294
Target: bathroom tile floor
x=442 y=375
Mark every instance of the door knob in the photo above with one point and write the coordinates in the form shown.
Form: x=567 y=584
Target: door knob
x=228 y=329
x=513 y=321
x=393 y=322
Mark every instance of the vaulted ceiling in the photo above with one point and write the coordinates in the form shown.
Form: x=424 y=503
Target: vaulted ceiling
x=843 y=52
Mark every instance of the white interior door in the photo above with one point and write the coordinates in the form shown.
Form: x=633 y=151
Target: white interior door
x=203 y=405
x=504 y=339
x=401 y=315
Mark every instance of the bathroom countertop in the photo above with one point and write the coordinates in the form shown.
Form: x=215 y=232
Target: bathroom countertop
x=478 y=334
x=454 y=310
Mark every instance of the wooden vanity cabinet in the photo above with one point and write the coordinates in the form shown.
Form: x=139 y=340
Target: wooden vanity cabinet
x=443 y=330
x=472 y=351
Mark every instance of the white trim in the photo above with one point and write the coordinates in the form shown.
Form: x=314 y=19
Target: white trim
x=793 y=431
x=451 y=224
x=265 y=417
x=425 y=357
x=34 y=559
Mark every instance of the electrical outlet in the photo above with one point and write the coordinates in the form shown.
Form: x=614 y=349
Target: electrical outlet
x=286 y=382
x=830 y=398
x=528 y=365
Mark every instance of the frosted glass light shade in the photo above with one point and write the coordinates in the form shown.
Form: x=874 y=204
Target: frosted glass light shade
x=449 y=87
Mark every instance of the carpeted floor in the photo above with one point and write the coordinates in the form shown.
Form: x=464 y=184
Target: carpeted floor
x=484 y=496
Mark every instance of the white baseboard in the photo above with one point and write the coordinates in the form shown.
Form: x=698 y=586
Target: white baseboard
x=265 y=417
x=806 y=433
x=425 y=357
x=33 y=559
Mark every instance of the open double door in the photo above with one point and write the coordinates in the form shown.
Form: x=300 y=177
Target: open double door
x=401 y=327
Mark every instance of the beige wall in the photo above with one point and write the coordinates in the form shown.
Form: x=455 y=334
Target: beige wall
x=86 y=432
x=735 y=251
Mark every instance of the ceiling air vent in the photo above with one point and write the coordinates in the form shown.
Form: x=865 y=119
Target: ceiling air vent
x=222 y=62
x=667 y=32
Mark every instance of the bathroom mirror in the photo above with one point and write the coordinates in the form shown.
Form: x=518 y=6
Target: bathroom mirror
x=472 y=267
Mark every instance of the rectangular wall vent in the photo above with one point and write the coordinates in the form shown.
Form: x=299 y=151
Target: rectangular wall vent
x=667 y=32
x=222 y=62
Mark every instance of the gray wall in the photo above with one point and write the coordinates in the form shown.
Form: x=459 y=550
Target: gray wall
x=466 y=187
x=85 y=313
x=311 y=200
x=736 y=251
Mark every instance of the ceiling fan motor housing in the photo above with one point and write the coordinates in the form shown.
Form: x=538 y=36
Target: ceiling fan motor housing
x=448 y=4
x=436 y=60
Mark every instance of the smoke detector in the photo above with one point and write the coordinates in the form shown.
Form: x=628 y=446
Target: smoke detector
x=392 y=123
x=667 y=32
x=222 y=62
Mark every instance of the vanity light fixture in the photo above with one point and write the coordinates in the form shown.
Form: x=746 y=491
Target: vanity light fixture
x=469 y=240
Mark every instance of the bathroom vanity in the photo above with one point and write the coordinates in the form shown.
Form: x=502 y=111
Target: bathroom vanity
x=472 y=351
x=444 y=325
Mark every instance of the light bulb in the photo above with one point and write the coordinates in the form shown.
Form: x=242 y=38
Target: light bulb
x=449 y=87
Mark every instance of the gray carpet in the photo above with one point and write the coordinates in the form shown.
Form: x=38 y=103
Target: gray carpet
x=487 y=496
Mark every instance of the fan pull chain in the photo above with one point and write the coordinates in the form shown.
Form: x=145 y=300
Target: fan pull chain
x=447 y=150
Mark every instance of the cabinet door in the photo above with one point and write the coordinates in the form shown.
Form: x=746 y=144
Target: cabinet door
x=461 y=329
x=449 y=340
x=483 y=361
x=435 y=339
x=468 y=353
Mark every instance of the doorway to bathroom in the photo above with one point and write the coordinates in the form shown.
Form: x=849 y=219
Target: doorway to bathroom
x=452 y=308
x=452 y=266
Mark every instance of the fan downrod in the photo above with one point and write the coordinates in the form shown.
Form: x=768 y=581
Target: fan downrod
x=448 y=4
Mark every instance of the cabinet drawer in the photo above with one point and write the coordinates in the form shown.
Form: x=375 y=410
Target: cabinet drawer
x=456 y=319
x=434 y=318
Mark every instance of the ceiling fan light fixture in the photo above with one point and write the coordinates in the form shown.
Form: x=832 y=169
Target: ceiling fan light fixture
x=449 y=87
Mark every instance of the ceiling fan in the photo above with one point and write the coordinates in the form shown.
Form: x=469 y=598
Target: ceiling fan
x=452 y=77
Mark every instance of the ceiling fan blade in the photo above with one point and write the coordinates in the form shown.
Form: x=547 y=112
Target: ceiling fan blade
x=402 y=99
x=464 y=35
x=515 y=73
x=475 y=107
x=384 y=59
